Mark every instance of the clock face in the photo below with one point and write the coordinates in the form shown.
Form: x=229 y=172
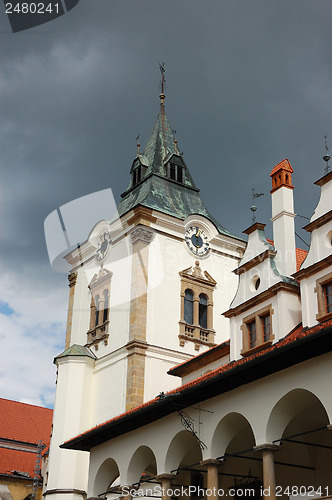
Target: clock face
x=197 y=241
x=105 y=241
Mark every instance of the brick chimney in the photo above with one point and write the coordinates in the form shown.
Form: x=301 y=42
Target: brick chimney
x=283 y=217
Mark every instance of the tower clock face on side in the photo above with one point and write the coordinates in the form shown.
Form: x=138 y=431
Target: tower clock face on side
x=197 y=241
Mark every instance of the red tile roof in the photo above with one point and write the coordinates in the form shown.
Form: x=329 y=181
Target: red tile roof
x=201 y=360
x=284 y=164
x=296 y=334
x=14 y=460
x=300 y=255
x=24 y=422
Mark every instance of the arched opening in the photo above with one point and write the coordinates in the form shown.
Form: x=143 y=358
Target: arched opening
x=233 y=442
x=106 y=477
x=183 y=459
x=298 y=423
x=142 y=466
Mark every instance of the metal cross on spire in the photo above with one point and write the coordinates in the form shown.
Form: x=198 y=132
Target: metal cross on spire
x=326 y=157
x=253 y=207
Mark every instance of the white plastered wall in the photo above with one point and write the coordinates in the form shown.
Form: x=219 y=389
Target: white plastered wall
x=69 y=469
x=255 y=402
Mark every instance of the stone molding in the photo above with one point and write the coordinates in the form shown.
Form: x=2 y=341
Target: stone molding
x=137 y=347
x=211 y=461
x=267 y=447
x=268 y=254
x=141 y=234
x=314 y=268
x=258 y=299
x=68 y=491
x=166 y=475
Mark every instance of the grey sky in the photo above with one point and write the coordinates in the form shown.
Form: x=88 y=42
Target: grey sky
x=248 y=84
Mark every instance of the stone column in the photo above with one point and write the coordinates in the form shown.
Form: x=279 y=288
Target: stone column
x=269 y=479
x=210 y=315
x=72 y=278
x=165 y=480
x=212 y=482
x=140 y=237
x=196 y=321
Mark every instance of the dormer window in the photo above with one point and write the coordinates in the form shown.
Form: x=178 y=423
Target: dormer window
x=327 y=290
x=137 y=175
x=257 y=331
x=323 y=290
x=175 y=172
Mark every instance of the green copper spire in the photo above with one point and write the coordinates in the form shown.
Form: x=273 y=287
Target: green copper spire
x=160 y=179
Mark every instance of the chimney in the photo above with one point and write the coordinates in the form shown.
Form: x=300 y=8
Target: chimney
x=283 y=217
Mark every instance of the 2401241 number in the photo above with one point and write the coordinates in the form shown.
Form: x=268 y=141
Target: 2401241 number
x=31 y=8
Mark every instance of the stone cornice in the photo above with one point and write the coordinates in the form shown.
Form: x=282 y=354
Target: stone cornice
x=255 y=261
x=315 y=224
x=136 y=346
x=314 y=268
x=323 y=180
x=141 y=234
x=141 y=215
x=258 y=299
x=254 y=227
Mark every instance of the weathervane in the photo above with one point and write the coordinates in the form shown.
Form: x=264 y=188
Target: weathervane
x=326 y=157
x=138 y=144
x=253 y=207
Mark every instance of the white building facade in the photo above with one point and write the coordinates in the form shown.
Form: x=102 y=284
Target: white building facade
x=147 y=293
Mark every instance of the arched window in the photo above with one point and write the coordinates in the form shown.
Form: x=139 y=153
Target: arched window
x=203 y=310
x=188 y=307
x=106 y=305
x=97 y=310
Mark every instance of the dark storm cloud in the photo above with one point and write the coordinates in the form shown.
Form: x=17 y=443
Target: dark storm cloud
x=248 y=84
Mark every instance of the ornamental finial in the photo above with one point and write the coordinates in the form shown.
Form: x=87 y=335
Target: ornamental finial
x=162 y=83
x=253 y=208
x=326 y=157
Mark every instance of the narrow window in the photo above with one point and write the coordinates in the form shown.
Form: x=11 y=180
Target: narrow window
x=172 y=171
x=179 y=174
x=266 y=327
x=134 y=177
x=97 y=311
x=327 y=290
x=106 y=305
x=203 y=310
x=252 y=333
x=188 y=307
x=138 y=174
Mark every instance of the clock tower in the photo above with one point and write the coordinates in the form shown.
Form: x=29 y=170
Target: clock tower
x=147 y=290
